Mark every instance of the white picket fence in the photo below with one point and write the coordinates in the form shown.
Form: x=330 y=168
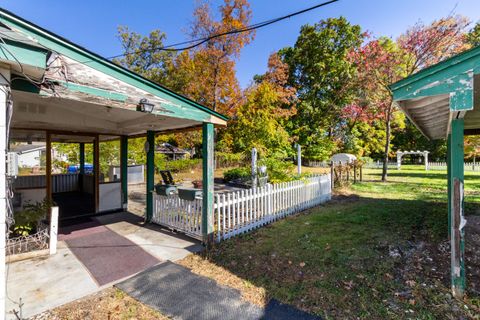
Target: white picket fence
x=468 y=166
x=242 y=211
x=178 y=214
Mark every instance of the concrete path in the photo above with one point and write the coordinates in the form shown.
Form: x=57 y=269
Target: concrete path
x=180 y=294
x=48 y=282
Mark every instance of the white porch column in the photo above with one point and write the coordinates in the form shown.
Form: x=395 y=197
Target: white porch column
x=399 y=160
x=4 y=88
x=425 y=158
x=299 y=159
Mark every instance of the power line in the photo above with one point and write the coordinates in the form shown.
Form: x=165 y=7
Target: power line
x=200 y=41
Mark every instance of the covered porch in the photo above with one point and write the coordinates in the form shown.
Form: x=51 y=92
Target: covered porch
x=443 y=103
x=55 y=91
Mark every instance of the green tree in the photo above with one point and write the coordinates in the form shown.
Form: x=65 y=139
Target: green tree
x=322 y=75
x=473 y=36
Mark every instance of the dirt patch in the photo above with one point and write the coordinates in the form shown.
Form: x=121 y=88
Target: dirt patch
x=109 y=304
x=204 y=267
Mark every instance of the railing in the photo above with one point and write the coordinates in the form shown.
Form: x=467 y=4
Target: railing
x=379 y=165
x=178 y=214
x=60 y=182
x=28 y=243
x=242 y=211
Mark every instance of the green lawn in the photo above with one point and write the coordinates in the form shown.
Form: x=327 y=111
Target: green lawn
x=377 y=251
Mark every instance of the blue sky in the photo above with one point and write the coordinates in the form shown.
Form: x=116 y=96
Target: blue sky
x=93 y=24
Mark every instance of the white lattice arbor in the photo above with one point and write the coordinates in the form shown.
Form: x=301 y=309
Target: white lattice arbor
x=400 y=154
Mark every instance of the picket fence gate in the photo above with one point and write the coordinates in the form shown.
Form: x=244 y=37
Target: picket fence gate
x=242 y=211
x=178 y=214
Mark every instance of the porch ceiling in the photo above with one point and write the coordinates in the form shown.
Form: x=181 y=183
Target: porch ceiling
x=33 y=111
x=431 y=115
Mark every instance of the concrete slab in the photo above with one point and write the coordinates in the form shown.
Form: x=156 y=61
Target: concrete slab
x=46 y=283
x=161 y=243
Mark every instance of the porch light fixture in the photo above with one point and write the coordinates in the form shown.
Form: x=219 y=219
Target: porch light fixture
x=145 y=106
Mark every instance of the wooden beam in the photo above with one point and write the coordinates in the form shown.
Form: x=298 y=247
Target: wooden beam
x=124 y=170
x=48 y=167
x=82 y=166
x=96 y=171
x=455 y=204
x=150 y=174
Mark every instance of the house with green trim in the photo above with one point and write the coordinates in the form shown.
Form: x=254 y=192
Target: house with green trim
x=53 y=90
x=443 y=102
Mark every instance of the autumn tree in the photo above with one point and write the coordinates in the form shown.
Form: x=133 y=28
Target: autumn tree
x=426 y=45
x=260 y=120
x=212 y=78
x=381 y=62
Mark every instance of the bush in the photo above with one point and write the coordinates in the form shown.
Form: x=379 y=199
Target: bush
x=179 y=165
x=26 y=221
x=225 y=159
x=278 y=170
x=237 y=173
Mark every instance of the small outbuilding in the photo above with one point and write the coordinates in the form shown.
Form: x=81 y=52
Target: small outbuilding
x=343 y=158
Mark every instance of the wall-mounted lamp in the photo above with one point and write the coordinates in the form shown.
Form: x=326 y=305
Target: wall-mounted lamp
x=145 y=106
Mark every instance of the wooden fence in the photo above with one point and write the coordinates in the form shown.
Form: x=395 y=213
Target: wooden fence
x=242 y=211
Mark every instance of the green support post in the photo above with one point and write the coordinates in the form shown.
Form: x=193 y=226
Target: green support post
x=124 y=169
x=456 y=206
x=208 y=184
x=81 y=165
x=150 y=174
x=449 y=181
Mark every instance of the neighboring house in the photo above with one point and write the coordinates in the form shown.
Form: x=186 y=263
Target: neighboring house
x=172 y=152
x=30 y=155
x=33 y=155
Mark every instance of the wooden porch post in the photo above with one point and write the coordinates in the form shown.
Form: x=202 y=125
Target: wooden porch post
x=96 y=168
x=81 y=165
x=124 y=169
x=456 y=207
x=48 y=167
x=150 y=174
x=208 y=183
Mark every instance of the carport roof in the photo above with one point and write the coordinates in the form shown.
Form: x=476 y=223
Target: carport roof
x=30 y=35
x=434 y=96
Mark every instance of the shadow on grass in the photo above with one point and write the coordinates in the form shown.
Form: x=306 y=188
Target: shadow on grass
x=424 y=175
x=353 y=257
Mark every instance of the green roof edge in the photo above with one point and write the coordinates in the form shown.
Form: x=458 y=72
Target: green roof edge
x=94 y=56
x=456 y=59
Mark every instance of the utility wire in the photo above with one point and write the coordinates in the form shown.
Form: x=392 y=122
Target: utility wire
x=200 y=41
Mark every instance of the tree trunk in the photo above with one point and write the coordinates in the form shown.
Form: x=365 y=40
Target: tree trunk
x=387 y=144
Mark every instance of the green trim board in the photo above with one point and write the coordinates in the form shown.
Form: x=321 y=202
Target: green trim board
x=27 y=54
x=208 y=167
x=188 y=109
x=94 y=91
